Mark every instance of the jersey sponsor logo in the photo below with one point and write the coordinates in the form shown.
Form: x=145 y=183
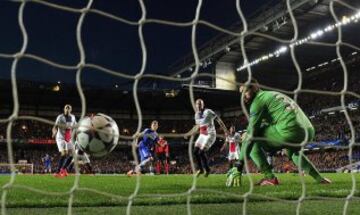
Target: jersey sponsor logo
x=204 y=130
x=67 y=135
x=232 y=147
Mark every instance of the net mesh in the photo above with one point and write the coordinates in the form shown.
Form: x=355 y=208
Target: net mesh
x=247 y=64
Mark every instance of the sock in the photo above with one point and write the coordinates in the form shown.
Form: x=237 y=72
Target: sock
x=166 y=167
x=158 y=167
x=198 y=159
x=70 y=167
x=67 y=162
x=204 y=160
x=61 y=162
x=140 y=167
x=151 y=168
x=88 y=168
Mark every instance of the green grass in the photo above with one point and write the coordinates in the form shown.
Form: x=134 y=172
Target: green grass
x=210 y=197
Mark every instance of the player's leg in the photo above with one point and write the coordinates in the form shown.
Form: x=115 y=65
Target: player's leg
x=88 y=168
x=62 y=149
x=296 y=135
x=232 y=157
x=204 y=160
x=167 y=164
x=151 y=167
x=210 y=140
x=145 y=158
x=158 y=163
x=69 y=158
x=198 y=144
x=87 y=164
x=306 y=164
x=258 y=156
x=233 y=176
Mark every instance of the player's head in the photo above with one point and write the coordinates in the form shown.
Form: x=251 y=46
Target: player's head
x=67 y=109
x=199 y=103
x=249 y=91
x=232 y=129
x=154 y=125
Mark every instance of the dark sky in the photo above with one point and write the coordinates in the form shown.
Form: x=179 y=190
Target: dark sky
x=112 y=44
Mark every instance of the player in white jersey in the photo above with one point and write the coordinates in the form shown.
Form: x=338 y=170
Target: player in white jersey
x=204 y=119
x=62 y=133
x=232 y=141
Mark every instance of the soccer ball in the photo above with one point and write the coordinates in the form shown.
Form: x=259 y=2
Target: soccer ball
x=97 y=135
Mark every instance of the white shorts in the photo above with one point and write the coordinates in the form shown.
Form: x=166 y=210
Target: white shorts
x=63 y=145
x=205 y=141
x=233 y=156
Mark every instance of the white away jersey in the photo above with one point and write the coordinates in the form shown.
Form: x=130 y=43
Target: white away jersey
x=65 y=124
x=234 y=142
x=205 y=120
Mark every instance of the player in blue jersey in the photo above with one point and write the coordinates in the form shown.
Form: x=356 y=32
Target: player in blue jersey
x=47 y=163
x=146 y=148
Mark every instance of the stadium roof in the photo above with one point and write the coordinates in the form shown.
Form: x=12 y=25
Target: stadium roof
x=273 y=20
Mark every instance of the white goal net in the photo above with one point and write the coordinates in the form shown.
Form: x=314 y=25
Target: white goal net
x=288 y=46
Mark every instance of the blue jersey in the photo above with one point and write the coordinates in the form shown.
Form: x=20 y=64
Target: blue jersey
x=147 y=143
x=149 y=139
x=47 y=160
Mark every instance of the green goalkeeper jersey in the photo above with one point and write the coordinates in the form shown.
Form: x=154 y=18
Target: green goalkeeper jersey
x=277 y=119
x=280 y=112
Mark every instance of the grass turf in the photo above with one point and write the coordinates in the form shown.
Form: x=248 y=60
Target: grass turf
x=211 y=196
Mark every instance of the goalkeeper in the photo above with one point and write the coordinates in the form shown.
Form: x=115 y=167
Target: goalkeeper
x=287 y=123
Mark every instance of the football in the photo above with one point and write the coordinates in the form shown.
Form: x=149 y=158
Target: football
x=97 y=135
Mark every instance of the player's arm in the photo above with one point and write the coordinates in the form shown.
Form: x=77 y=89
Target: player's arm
x=55 y=128
x=54 y=131
x=137 y=135
x=256 y=115
x=226 y=142
x=192 y=131
x=222 y=125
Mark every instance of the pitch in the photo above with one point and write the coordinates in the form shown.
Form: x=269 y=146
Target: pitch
x=211 y=196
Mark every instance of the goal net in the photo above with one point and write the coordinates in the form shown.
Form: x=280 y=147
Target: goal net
x=292 y=14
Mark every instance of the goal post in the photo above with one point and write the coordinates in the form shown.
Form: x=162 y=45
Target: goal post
x=25 y=168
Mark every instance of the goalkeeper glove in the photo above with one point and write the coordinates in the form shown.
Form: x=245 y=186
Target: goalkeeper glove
x=233 y=178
